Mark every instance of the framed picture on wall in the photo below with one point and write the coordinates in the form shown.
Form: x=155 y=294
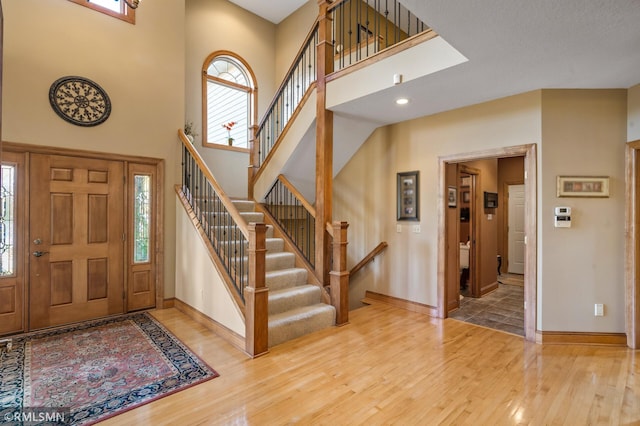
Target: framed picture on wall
x=583 y=186
x=465 y=197
x=452 y=196
x=408 y=202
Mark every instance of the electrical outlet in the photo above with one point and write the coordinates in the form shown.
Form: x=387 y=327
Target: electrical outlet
x=399 y=228
x=416 y=229
x=599 y=310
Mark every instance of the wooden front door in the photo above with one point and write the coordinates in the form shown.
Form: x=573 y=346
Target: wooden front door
x=76 y=239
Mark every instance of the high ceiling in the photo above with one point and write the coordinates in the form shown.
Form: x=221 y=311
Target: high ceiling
x=513 y=46
x=271 y=10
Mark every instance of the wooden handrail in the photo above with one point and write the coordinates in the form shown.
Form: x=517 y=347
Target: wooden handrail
x=298 y=195
x=335 y=4
x=226 y=201
x=368 y=258
x=329 y=228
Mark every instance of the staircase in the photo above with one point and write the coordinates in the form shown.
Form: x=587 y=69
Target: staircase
x=295 y=306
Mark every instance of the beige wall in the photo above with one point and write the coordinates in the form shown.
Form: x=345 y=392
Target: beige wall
x=213 y=25
x=135 y=64
x=198 y=281
x=365 y=190
x=633 y=108
x=583 y=133
x=290 y=34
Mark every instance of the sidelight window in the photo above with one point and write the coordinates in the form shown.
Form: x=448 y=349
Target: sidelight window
x=7 y=220
x=142 y=218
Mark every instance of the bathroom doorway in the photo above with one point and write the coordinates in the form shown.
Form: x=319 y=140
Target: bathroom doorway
x=488 y=218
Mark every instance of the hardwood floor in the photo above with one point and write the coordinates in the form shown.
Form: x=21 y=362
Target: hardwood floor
x=391 y=366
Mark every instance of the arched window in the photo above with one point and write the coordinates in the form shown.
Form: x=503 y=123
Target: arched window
x=229 y=99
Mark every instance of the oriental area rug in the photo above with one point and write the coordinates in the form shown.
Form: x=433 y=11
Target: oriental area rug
x=94 y=370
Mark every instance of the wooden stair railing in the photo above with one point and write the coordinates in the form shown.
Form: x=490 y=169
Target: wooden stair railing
x=343 y=34
x=235 y=247
x=369 y=258
x=294 y=214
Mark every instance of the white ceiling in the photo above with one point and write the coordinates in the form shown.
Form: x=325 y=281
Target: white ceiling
x=271 y=10
x=513 y=46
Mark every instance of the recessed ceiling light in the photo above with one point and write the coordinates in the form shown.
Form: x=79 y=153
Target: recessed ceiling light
x=402 y=101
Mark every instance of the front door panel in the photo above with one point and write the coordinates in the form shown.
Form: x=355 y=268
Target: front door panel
x=76 y=239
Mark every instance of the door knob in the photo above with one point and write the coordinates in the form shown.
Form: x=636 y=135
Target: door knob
x=37 y=241
x=39 y=253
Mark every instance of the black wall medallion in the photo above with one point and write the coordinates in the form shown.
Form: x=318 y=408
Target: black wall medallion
x=79 y=101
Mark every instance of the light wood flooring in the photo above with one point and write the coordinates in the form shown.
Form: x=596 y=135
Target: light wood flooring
x=391 y=366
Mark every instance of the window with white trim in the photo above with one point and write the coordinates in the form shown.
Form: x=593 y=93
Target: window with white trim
x=116 y=8
x=229 y=97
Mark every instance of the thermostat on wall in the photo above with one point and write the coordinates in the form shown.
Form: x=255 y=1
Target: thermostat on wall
x=562 y=217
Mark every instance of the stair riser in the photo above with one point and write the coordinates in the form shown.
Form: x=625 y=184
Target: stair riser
x=244 y=205
x=274 y=245
x=284 y=329
x=277 y=261
x=234 y=233
x=295 y=278
x=225 y=219
x=294 y=298
x=273 y=263
x=240 y=205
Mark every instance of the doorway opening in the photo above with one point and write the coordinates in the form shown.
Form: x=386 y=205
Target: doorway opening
x=484 y=264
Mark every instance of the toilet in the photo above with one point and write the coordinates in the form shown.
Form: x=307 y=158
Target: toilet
x=464 y=265
x=464 y=256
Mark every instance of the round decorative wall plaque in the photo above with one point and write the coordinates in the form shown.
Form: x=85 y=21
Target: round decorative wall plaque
x=79 y=101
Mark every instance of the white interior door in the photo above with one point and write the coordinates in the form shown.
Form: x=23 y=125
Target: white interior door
x=516 y=229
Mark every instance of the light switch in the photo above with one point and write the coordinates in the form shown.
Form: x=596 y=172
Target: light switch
x=399 y=228
x=599 y=310
x=416 y=229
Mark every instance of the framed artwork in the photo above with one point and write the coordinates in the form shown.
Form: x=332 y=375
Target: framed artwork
x=466 y=197
x=490 y=200
x=465 y=181
x=452 y=196
x=583 y=186
x=408 y=202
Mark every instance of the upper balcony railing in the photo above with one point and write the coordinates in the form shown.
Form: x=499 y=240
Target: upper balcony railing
x=301 y=75
x=362 y=28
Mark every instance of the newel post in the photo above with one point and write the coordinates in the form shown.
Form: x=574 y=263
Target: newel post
x=324 y=144
x=339 y=275
x=254 y=159
x=256 y=294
